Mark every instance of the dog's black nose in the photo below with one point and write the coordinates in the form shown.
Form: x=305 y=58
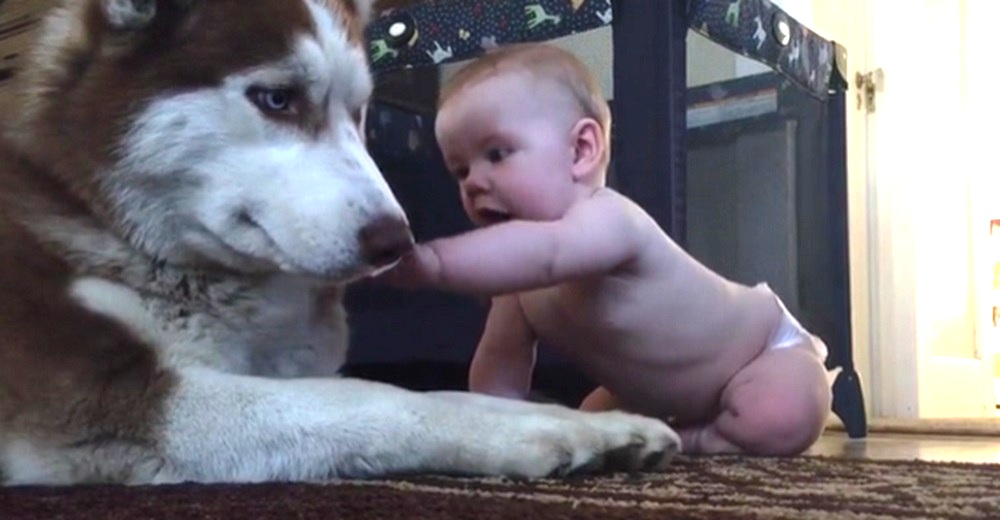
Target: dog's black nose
x=384 y=240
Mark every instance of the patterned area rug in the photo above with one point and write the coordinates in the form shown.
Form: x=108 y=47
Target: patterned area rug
x=706 y=487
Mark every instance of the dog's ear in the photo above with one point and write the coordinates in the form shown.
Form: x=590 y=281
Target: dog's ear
x=130 y=15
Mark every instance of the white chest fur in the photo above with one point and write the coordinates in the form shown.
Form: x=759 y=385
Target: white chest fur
x=279 y=326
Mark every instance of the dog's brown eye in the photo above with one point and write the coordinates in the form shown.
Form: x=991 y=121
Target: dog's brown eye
x=272 y=99
x=357 y=115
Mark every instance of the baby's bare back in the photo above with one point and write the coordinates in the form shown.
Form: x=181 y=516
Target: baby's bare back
x=664 y=334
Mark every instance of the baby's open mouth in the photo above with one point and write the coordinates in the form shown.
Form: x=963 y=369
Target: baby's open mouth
x=488 y=217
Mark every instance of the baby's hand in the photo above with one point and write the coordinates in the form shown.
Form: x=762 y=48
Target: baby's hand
x=404 y=275
x=418 y=268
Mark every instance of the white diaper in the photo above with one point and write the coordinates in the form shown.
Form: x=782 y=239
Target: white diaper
x=790 y=333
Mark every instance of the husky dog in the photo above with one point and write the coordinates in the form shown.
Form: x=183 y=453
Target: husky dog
x=183 y=197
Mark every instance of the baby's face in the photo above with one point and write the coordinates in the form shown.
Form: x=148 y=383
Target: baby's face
x=507 y=140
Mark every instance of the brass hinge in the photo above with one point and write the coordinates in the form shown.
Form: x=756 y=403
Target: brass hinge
x=868 y=84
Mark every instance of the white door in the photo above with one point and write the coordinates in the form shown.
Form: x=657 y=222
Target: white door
x=916 y=199
x=983 y=114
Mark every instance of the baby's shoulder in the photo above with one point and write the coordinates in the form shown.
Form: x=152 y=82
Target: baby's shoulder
x=608 y=203
x=634 y=224
x=615 y=211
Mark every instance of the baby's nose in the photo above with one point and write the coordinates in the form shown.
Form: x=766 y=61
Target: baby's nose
x=475 y=184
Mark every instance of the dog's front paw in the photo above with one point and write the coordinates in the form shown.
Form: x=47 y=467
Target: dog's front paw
x=592 y=442
x=633 y=442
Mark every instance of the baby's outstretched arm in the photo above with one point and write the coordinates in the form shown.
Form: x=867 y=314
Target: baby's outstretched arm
x=594 y=237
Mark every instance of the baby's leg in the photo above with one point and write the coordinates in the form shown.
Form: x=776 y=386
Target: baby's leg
x=776 y=405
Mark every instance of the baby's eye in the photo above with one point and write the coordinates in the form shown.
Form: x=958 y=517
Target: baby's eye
x=460 y=173
x=495 y=155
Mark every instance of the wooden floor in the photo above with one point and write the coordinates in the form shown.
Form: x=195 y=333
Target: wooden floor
x=898 y=446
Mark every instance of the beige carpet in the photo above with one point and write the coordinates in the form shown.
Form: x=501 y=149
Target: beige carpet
x=708 y=487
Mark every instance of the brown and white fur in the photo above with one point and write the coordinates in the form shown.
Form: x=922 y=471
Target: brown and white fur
x=182 y=199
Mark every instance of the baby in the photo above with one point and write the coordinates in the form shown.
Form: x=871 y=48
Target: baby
x=525 y=132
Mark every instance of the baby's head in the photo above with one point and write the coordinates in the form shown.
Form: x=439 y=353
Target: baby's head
x=525 y=131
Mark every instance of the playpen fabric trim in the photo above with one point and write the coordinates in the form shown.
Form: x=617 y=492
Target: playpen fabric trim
x=760 y=30
x=434 y=33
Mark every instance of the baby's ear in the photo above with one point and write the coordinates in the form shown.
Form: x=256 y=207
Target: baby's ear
x=588 y=148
